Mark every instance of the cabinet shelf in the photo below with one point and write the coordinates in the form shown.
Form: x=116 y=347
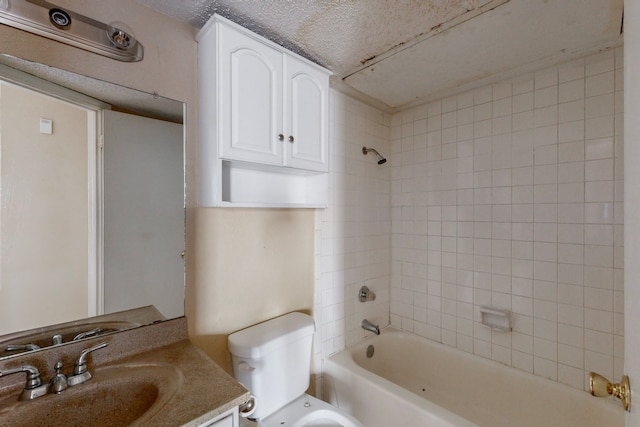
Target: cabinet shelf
x=253 y=185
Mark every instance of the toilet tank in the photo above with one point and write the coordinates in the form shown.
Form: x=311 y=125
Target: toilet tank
x=273 y=360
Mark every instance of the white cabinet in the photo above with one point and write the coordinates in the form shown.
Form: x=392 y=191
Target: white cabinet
x=251 y=116
x=306 y=115
x=264 y=121
x=227 y=419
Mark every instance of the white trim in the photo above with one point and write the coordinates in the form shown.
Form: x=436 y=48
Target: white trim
x=99 y=163
x=92 y=225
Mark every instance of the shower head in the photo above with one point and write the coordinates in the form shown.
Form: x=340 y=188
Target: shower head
x=381 y=160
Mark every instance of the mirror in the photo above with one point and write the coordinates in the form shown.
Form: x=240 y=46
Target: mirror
x=105 y=214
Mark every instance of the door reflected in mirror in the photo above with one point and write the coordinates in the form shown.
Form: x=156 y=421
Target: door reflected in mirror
x=92 y=190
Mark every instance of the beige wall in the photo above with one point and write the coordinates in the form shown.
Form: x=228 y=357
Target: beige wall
x=170 y=69
x=44 y=211
x=251 y=265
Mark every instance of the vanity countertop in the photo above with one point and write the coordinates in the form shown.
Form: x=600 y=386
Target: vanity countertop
x=206 y=390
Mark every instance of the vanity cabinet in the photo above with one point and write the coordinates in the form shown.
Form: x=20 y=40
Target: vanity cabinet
x=227 y=419
x=264 y=121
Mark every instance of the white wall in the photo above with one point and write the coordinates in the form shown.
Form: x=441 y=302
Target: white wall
x=510 y=195
x=353 y=233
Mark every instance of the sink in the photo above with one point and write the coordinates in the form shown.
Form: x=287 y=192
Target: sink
x=117 y=395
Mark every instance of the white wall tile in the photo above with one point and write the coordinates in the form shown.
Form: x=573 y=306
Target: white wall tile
x=506 y=194
x=600 y=84
x=571 y=70
x=571 y=91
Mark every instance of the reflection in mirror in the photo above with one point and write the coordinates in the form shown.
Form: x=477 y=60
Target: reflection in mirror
x=92 y=218
x=35 y=339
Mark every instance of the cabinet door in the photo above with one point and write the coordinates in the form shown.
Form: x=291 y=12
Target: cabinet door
x=227 y=419
x=306 y=114
x=251 y=99
x=225 y=422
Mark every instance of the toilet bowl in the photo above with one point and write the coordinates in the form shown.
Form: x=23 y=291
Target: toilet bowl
x=307 y=411
x=273 y=360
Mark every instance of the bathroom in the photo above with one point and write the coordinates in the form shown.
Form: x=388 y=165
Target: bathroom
x=361 y=238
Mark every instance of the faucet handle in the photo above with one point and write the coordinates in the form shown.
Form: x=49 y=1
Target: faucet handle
x=27 y=347
x=33 y=387
x=33 y=375
x=365 y=294
x=87 y=334
x=81 y=373
x=81 y=363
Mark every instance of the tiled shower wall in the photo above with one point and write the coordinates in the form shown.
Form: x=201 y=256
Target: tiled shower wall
x=510 y=196
x=353 y=235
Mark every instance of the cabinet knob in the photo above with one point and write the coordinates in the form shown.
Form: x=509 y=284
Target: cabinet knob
x=280 y=137
x=291 y=139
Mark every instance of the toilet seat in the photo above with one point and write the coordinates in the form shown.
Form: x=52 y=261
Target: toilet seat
x=307 y=411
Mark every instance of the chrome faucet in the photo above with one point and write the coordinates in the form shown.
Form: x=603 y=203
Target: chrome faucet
x=81 y=372
x=368 y=326
x=34 y=386
x=59 y=381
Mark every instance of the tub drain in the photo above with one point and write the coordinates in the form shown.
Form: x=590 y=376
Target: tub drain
x=370 y=351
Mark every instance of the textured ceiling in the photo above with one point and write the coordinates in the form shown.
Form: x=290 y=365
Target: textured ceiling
x=397 y=53
x=339 y=34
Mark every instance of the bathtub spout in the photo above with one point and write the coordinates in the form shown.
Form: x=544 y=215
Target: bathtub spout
x=368 y=326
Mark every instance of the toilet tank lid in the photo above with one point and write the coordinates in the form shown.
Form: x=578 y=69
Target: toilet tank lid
x=263 y=338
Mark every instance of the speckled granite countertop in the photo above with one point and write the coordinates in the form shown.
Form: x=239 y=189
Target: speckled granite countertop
x=206 y=390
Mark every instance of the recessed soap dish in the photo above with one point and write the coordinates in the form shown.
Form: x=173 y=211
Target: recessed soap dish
x=496 y=319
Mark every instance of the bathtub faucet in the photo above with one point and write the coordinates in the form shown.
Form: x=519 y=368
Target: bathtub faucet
x=368 y=326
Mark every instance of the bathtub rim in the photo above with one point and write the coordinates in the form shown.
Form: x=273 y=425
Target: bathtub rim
x=344 y=360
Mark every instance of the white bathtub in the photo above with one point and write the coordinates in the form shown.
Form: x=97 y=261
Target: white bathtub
x=411 y=382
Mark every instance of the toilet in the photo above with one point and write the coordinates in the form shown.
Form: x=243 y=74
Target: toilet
x=273 y=360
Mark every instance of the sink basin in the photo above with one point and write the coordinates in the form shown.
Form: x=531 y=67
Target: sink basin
x=118 y=395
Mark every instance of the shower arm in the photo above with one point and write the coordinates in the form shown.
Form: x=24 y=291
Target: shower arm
x=381 y=160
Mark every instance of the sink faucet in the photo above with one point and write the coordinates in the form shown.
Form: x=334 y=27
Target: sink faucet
x=59 y=381
x=34 y=386
x=81 y=372
x=368 y=326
